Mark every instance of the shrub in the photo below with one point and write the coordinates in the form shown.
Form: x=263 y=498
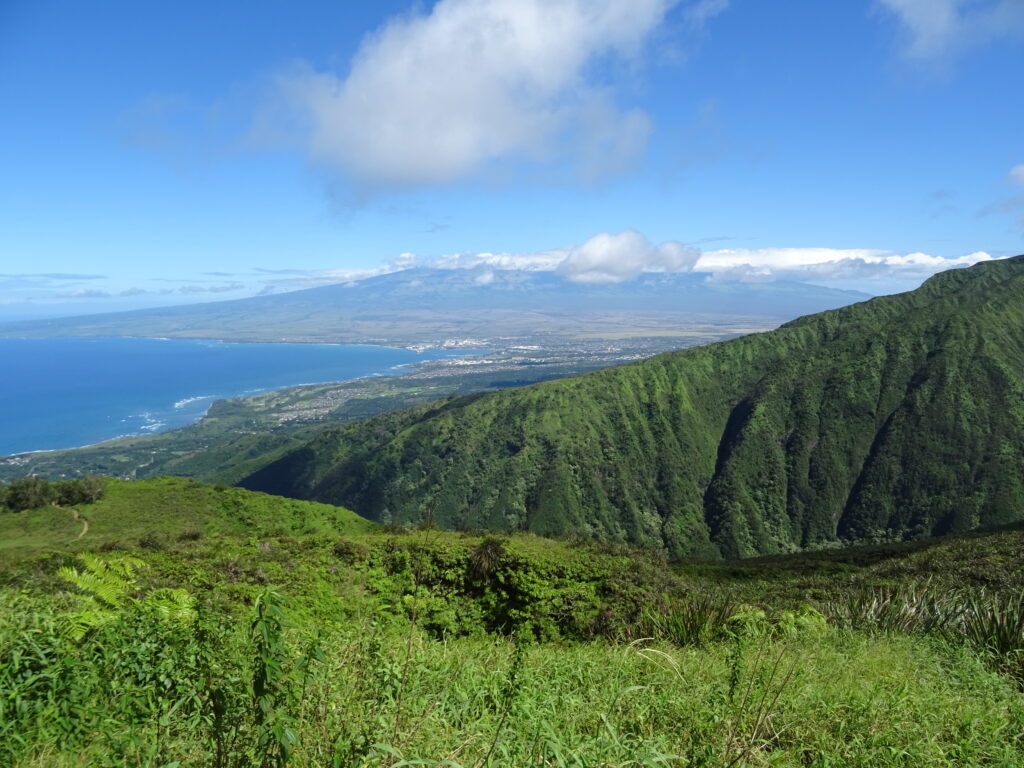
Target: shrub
x=81 y=490
x=350 y=552
x=29 y=493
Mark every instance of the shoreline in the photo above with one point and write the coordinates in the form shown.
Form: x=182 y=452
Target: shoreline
x=418 y=347
x=391 y=372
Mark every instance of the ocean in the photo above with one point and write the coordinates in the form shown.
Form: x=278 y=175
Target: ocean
x=63 y=393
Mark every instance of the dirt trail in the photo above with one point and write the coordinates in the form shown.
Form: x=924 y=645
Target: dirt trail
x=76 y=516
x=85 y=524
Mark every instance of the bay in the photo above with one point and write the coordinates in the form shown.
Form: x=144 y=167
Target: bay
x=66 y=392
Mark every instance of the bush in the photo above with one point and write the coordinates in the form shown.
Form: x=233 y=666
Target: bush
x=152 y=542
x=35 y=492
x=350 y=552
x=29 y=493
x=81 y=490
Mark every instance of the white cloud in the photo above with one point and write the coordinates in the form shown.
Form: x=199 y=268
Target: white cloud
x=1017 y=174
x=435 y=97
x=608 y=258
x=831 y=265
x=618 y=257
x=541 y=261
x=701 y=12
x=939 y=28
x=778 y=258
x=604 y=258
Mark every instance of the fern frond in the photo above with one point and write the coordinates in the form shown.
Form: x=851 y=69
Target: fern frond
x=172 y=604
x=78 y=625
x=109 y=580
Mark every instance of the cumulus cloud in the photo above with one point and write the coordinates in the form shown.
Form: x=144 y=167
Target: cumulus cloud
x=604 y=258
x=608 y=258
x=938 y=28
x=541 y=261
x=433 y=97
x=1017 y=174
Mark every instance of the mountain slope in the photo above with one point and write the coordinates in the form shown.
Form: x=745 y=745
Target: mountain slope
x=155 y=513
x=428 y=305
x=899 y=417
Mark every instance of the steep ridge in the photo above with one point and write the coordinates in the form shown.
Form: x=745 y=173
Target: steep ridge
x=896 y=418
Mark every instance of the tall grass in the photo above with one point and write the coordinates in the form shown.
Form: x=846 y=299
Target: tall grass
x=698 y=679
x=993 y=622
x=695 y=621
x=759 y=690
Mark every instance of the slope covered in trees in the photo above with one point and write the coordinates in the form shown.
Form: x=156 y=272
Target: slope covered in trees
x=896 y=418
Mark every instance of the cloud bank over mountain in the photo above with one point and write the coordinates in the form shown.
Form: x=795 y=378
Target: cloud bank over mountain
x=610 y=258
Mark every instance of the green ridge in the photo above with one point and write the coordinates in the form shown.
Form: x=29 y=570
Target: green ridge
x=897 y=418
x=157 y=512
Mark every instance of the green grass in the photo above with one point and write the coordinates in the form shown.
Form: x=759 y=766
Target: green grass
x=383 y=696
x=164 y=511
x=415 y=647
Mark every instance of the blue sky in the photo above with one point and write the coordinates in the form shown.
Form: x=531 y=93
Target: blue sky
x=162 y=153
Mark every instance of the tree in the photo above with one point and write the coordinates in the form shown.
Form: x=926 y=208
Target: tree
x=29 y=493
x=81 y=490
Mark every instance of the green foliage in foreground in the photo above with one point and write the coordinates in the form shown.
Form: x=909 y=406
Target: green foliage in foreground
x=897 y=418
x=783 y=693
x=223 y=634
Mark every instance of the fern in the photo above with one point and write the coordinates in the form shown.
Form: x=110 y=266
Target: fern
x=172 y=604
x=108 y=584
x=107 y=580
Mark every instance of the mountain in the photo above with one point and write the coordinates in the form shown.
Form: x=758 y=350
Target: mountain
x=428 y=305
x=896 y=418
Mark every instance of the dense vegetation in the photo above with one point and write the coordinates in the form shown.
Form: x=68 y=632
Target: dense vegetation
x=31 y=492
x=897 y=418
x=203 y=626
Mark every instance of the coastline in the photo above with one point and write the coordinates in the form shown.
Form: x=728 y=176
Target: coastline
x=389 y=371
x=418 y=347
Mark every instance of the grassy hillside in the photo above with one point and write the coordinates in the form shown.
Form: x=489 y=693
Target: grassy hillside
x=897 y=418
x=260 y=631
x=152 y=514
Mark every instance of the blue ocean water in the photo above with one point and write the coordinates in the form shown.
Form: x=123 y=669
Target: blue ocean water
x=62 y=393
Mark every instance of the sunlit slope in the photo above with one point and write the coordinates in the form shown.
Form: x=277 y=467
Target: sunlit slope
x=899 y=417
x=156 y=513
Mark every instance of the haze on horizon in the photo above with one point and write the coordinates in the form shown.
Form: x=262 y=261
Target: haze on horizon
x=159 y=155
